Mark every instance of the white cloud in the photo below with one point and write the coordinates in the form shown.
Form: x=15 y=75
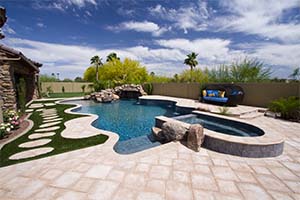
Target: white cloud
x=260 y=18
x=41 y=25
x=278 y=54
x=62 y=5
x=193 y=16
x=256 y=17
x=72 y=60
x=210 y=50
x=144 y=26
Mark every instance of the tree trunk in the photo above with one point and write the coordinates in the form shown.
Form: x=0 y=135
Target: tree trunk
x=97 y=73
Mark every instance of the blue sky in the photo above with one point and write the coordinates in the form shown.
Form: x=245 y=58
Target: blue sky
x=65 y=34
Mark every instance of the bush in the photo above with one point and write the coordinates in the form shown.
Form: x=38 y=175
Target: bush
x=148 y=88
x=63 y=89
x=11 y=122
x=289 y=108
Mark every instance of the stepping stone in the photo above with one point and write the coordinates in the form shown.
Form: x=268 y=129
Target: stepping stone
x=49 y=111
x=47 y=129
x=31 y=153
x=39 y=110
x=35 y=143
x=29 y=110
x=41 y=135
x=36 y=105
x=49 y=115
x=52 y=120
x=49 y=104
x=49 y=124
x=54 y=117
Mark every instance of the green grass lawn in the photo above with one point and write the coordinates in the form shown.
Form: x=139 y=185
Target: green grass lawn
x=66 y=95
x=59 y=143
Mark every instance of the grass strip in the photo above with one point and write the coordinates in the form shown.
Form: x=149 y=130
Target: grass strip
x=59 y=143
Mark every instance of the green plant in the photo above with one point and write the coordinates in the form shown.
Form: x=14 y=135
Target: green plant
x=191 y=60
x=96 y=61
x=63 y=89
x=224 y=110
x=83 y=88
x=289 y=108
x=148 y=87
x=98 y=86
x=5 y=128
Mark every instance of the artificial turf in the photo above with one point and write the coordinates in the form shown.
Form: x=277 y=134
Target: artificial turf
x=65 y=95
x=59 y=143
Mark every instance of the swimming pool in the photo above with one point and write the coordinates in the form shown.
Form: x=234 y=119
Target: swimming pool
x=128 y=118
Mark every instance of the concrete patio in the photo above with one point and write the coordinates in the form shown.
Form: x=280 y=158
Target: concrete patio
x=170 y=171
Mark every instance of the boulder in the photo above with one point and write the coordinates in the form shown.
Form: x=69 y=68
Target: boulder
x=195 y=137
x=173 y=130
x=87 y=97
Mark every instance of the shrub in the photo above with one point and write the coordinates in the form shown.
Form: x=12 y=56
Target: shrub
x=63 y=89
x=224 y=110
x=11 y=122
x=4 y=129
x=289 y=108
x=83 y=88
x=148 y=88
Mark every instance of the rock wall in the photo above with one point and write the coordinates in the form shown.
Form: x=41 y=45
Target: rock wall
x=7 y=90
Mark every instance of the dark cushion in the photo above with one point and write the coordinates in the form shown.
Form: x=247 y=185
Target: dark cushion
x=216 y=99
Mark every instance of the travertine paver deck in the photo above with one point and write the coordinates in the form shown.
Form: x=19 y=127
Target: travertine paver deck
x=40 y=135
x=35 y=143
x=240 y=110
x=100 y=173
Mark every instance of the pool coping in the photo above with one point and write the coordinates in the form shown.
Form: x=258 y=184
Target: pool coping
x=268 y=145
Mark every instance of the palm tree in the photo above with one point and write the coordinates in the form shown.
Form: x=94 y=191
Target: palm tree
x=191 y=60
x=97 y=62
x=296 y=74
x=112 y=56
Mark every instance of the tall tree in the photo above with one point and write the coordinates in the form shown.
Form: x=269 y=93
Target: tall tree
x=191 y=60
x=96 y=60
x=112 y=56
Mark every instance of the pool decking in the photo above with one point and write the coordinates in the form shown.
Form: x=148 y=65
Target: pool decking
x=169 y=171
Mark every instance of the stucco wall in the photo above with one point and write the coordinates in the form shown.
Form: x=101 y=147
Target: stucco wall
x=256 y=94
x=69 y=86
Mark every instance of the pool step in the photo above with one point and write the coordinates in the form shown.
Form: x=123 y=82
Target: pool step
x=136 y=144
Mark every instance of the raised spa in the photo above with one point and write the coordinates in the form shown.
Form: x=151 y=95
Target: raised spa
x=222 y=125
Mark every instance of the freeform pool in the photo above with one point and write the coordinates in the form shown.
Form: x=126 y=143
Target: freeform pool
x=127 y=118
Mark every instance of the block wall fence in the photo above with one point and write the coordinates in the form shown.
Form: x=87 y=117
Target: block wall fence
x=69 y=86
x=256 y=94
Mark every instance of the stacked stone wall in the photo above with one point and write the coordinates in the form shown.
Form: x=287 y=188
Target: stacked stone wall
x=7 y=89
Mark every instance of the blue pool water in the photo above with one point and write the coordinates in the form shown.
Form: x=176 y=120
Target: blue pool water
x=127 y=118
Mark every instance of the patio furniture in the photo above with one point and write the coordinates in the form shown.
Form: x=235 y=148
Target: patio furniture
x=222 y=94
